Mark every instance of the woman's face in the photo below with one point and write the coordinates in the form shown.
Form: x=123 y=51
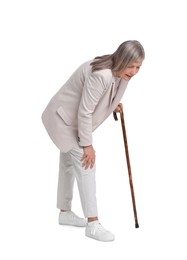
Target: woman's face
x=130 y=71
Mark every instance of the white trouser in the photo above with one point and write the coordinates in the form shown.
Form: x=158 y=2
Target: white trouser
x=70 y=168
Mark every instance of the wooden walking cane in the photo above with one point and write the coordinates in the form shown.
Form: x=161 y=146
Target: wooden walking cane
x=128 y=164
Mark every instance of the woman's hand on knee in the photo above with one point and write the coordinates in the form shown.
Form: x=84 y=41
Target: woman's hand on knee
x=88 y=157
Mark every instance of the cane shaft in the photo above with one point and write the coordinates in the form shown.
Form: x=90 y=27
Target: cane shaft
x=128 y=165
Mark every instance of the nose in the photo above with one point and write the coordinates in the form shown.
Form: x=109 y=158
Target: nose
x=133 y=72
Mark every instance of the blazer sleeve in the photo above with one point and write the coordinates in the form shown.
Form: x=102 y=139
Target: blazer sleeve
x=93 y=90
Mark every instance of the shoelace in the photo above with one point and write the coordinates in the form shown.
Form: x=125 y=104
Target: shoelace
x=74 y=217
x=99 y=228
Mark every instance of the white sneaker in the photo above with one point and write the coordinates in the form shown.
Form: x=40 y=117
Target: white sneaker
x=95 y=230
x=70 y=218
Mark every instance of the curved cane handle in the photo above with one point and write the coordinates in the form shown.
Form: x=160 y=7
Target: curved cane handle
x=115 y=116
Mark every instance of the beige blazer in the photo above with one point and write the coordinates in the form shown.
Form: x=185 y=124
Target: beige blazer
x=81 y=105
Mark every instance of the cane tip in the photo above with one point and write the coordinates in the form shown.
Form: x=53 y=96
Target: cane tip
x=136 y=225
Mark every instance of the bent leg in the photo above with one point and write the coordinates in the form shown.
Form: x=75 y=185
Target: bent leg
x=86 y=183
x=65 y=182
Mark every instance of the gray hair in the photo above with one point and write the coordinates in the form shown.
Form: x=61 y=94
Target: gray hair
x=127 y=53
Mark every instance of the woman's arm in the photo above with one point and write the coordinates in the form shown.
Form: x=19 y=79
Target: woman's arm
x=94 y=88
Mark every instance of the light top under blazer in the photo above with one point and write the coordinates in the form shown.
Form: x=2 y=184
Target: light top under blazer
x=81 y=105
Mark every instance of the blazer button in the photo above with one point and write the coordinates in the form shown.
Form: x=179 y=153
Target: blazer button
x=79 y=139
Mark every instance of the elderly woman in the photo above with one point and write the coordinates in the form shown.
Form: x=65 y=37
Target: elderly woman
x=88 y=97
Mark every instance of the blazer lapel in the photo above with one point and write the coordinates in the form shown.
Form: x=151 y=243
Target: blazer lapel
x=114 y=101
x=109 y=103
x=112 y=92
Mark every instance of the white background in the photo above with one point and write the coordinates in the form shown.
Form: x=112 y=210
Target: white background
x=42 y=43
